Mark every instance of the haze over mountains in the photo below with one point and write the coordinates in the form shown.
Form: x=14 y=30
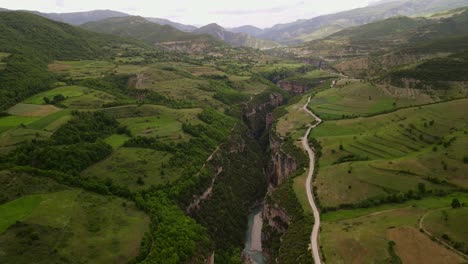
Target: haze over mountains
x=290 y=33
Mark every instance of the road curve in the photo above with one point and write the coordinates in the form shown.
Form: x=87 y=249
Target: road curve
x=310 y=196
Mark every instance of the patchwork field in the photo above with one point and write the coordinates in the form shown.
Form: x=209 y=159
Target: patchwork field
x=367 y=157
x=51 y=223
x=365 y=235
x=17 y=129
x=83 y=69
x=352 y=98
x=75 y=97
x=156 y=121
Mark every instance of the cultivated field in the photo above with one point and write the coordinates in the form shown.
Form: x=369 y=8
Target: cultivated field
x=367 y=157
x=365 y=235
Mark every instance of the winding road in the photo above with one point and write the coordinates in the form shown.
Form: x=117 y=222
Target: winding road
x=310 y=196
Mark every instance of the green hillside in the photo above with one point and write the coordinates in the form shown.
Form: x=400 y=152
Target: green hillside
x=140 y=28
x=33 y=42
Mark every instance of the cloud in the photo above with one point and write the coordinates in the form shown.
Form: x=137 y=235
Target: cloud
x=60 y=3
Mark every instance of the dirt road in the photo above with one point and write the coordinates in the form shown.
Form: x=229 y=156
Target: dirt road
x=308 y=184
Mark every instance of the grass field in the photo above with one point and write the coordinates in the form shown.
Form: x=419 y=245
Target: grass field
x=449 y=225
x=351 y=98
x=157 y=121
x=67 y=225
x=392 y=152
x=32 y=110
x=17 y=129
x=363 y=235
x=81 y=69
x=116 y=140
x=17 y=210
x=76 y=97
x=126 y=165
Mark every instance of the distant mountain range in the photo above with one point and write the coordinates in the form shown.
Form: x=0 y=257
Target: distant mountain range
x=235 y=39
x=290 y=33
x=322 y=26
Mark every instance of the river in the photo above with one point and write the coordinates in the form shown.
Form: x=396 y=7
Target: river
x=253 y=241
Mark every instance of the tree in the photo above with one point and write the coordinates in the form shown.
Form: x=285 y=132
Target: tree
x=140 y=181
x=421 y=187
x=456 y=203
x=46 y=100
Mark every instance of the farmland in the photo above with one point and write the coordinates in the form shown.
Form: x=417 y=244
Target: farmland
x=367 y=157
x=364 y=235
x=353 y=98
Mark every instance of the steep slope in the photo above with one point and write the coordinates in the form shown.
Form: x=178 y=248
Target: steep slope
x=235 y=39
x=322 y=26
x=250 y=30
x=179 y=26
x=386 y=35
x=140 y=28
x=78 y=18
x=165 y=37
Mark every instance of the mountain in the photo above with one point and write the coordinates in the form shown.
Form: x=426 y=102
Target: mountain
x=78 y=18
x=33 y=41
x=396 y=32
x=179 y=26
x=325 y=25
x=250 y=30
x=164 y=36
x=235 y=39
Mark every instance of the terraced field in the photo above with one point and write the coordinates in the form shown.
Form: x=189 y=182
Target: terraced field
x=82 y=69
x=156 y=121
x=76 y=97
x=367 y=157
x=354 y=98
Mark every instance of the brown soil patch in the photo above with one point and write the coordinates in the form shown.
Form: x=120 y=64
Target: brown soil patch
x=413 y=246
x=56 y=67
x=354 y=252
x=33 y=110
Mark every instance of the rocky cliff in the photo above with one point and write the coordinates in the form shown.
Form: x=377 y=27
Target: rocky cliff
x=257 y=115
x=281 y=164
x=294 y=87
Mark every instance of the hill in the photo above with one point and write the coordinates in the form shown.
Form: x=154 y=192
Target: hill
x=250 y=30
x=235 y=39
x=163 y=36
x=78 y=18
x=179 y=26
x=323 y=26
x=31 y=42
x=139 y=28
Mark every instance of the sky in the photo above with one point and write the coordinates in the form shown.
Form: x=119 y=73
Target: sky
x=228 y=13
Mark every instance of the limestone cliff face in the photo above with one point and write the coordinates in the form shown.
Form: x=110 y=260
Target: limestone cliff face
x=257 y=116
x=281 y=165
x=293 y=87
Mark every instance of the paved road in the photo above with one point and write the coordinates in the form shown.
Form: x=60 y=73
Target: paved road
x=310 y=196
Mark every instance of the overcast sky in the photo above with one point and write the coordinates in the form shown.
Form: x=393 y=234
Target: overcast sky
x=228 y=13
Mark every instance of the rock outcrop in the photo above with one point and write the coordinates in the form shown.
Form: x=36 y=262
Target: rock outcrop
x=258 y=116
x=281 y=165
x=294 y=87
